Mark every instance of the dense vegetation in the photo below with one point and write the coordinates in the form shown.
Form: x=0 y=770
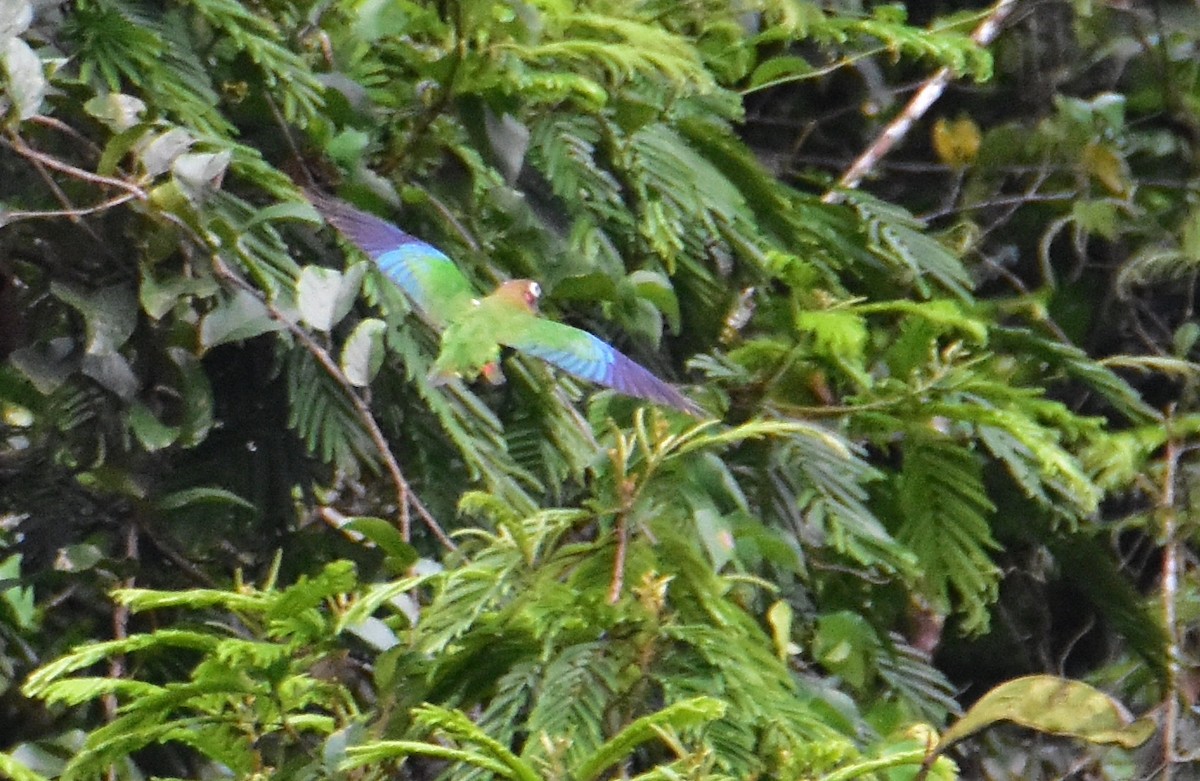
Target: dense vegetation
x=950 y=411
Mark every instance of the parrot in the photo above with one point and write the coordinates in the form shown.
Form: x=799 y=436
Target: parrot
x=474 y=329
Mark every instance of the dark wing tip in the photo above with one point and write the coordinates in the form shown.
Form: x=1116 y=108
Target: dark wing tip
x=631 y=378
x=373 y=235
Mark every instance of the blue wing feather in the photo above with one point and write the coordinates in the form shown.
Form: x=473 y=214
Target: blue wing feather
x=430 y=279
x=590 y=358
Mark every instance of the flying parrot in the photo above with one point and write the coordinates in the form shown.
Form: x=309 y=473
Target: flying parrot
x=475 y=328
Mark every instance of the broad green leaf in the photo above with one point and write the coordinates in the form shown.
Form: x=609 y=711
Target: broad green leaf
x=112 y=371
x=159 y=152
x=77 y=558
x=301 y=211
x=18 y=599
x=12 y=768
x=159 y=298
x=658 y=290
x=119 y=112
x=243 y=316
x=190 y=497
x=1098 y=217
x=956 y=143
x=47 y=366
x=383 y=534
x=325 y=295
x=779 y=69
x=199 y=173
x=374 y=633
x=1105 y=164
x=348 y=146
x=362 y=355
x=149 y=430
x=1058 y=706
x=110 y=314
x=25 y=83
x=779 y=618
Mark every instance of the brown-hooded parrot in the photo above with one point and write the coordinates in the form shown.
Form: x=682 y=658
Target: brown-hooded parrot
x=474 y=328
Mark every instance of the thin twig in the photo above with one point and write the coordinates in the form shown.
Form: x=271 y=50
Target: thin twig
x=618 y=576
x=120 y=622
x=921 y=102
x=1002 y=200
x=63 y=199
x=63 y=127
x=15 y=143
x=178 y=559
x=7 y=217
x=405 y=495
x=1169 y=593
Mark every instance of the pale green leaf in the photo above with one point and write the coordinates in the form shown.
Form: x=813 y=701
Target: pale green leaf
x=1058 y=706
x=362 y=355
x=26 y=84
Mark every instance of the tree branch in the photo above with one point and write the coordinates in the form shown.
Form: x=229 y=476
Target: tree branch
x=405 y=495
x=926 y=96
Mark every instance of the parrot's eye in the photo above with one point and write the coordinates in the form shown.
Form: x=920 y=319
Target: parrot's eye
x=533 y=293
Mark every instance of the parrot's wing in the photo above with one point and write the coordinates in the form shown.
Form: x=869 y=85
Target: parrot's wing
x=430 y=279
x=592 y=359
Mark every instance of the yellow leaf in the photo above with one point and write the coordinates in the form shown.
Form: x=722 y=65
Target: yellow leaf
x=1055 y=705
x=1103 y=164
x=956 y=143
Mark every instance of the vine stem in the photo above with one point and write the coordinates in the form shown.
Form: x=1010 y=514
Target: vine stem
x=921 y=102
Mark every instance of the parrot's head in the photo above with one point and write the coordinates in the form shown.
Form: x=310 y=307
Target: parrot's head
x=523 y=292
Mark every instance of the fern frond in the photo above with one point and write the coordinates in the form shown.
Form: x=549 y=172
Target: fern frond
x=912 y=675
x=944 y=509
x=323 y=417
x=896 y=238
x=676 y=716
x=820 y=491
x=124 y=48
x=577 y=687
x=92 y=653
x=1079 y=366
x=222 y=743
x=255 y=35
x=624 y=49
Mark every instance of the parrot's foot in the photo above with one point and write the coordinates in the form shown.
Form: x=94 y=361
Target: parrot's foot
x=438 y=377
x=492 y=373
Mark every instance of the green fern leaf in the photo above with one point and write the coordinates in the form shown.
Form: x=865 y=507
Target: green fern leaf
x=944 y=509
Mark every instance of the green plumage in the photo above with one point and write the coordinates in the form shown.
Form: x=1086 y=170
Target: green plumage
x=475 y=328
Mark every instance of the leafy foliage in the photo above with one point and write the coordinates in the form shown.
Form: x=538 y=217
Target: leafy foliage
x=908 y=417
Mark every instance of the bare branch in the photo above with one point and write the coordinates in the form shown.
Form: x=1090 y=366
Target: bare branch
x=926 y=96
x=18 y=145
x=7 y=217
